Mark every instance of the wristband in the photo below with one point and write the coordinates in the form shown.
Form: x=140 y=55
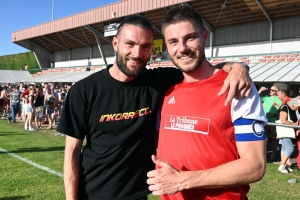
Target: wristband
x=243 y=63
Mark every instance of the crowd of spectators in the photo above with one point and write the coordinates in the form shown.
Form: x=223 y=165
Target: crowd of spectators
x=279 y=107
x=37 y=105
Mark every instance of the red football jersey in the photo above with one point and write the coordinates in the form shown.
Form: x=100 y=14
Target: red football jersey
x=197 y=133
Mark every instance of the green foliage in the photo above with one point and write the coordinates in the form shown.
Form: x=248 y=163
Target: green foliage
x=20 y=180
x=17 y=61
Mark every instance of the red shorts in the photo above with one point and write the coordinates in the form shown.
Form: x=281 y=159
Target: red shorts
x=4 y=102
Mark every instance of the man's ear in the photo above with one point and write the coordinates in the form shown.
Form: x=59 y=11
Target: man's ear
x=115 y=43
x=205 y=37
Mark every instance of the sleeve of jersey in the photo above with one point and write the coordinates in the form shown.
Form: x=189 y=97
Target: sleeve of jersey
x=248 y=118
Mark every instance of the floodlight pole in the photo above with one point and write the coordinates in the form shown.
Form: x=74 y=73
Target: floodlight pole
x=52 y=10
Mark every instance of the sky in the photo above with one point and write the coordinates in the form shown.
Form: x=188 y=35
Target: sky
x=17 y=15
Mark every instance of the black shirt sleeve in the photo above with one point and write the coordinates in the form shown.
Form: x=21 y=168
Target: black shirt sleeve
x=73 y=121
x=287 y=109
x=168 y=77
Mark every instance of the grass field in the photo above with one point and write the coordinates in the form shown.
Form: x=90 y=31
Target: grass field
x=24 y=179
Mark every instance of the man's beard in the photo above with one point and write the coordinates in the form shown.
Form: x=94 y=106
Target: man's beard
x=121 y=63
x=197 y=64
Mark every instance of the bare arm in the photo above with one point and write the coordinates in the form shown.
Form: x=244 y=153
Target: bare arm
x=284 y=118
x=30 y=100
x=238 y=82
x=168 y=180
x=45 y=99
x=262 y=89
x=71 y=167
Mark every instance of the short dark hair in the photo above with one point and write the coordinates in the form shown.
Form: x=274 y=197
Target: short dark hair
x=283 y=91
x=136 y=20
x=182 y=13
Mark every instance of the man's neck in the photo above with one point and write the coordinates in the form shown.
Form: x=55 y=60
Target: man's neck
x=205 y=71
x=117 y=74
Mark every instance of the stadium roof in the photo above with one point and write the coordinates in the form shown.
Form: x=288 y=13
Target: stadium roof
x=58 y=77
x=12 y=76
x=275 y=72
x=79 y=30
x=259 y=72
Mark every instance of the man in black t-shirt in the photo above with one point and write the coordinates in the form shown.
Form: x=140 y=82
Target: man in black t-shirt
x=116 y=111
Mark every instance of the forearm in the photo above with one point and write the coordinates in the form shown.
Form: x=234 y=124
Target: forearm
x=250 y=167
x=71 y=172
x=235 y=173
x=227 y=67
x=288 y=122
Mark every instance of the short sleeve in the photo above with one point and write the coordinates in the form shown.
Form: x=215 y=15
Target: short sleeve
x=284 y=109
x=72 y=121
x=248 y=118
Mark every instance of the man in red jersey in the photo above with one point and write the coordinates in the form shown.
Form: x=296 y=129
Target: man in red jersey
x=206 y=150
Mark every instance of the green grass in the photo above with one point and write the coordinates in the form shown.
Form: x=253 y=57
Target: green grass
x=19 y=180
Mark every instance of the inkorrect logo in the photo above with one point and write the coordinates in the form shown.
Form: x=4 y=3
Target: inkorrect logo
x=187 y=123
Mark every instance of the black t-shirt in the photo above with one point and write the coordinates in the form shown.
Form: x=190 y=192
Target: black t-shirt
x=287 y=109
x=118 y=120
x=39 y=101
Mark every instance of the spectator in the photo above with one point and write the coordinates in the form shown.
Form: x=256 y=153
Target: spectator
x=39 y=107
x=3 y=101
x=8 y=91
x=89 y=64
x=68 y=87
x=159 y=57
x=57 y=97
x=21 y=90
x=50 y=102
x=24 y=97
x=285 y=113
x=271 y=112
x=46 y=86
x=29 y=109
x=26 y=67
x=294 y=104
x=15 y=104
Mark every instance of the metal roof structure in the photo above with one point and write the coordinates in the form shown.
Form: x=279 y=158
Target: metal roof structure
x=83 y=29
x=275 y=72
x=12 y=76
x=259 y=72
x=56 y=77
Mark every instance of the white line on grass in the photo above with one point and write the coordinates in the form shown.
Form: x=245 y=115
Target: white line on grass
x=32 y=163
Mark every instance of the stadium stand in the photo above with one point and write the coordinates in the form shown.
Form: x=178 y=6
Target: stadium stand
x=250 y=59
